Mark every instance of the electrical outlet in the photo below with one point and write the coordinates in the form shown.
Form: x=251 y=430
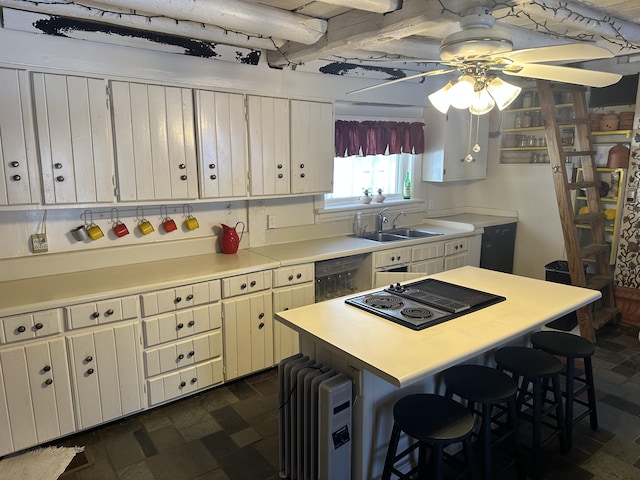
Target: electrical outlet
x=39 y=243
x=271 y=221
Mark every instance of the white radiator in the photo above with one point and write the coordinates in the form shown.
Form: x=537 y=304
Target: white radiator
x=314 y=421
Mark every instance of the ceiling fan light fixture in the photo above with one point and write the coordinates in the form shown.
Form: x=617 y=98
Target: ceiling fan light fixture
x=475 y=43
x=440 y=98
x=482 y=102
x=461 y=94
x=503 y=93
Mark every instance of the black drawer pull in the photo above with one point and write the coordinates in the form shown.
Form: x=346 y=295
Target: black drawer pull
x=57 y=166
x=89 y=359
x=261 y=326
x=47 y=368
x=191 y=354
x=108 y=312
x=243 y=286
x=48 y=381
x=90 y=371
x=180 y=357
x=95 y=315
x=261 y=316
x=15 y=164
x=299 y=276
x=39 y=326
x=183 y=384
x=177 y=300
x=17 y=178
x=191 y=323
x=21 y=329
x=189 y=297
x=253 y=283
x=179 y=326
x=194 y=380
x=290 y=277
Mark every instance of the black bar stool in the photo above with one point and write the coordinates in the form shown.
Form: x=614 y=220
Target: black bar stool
x=493 y=390
x=571 y=347
x=536 y=367
x=435 y=422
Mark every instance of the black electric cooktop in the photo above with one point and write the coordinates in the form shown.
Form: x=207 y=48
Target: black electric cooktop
x=424 y=303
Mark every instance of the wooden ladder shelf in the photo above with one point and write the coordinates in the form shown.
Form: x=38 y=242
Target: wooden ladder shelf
x=590 y=317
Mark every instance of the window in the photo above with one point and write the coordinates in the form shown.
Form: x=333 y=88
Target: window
x=353 y=174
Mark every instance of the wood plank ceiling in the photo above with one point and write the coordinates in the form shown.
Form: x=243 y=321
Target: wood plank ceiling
x=396 y=36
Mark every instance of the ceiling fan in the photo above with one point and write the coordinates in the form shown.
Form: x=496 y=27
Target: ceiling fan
x=480 y=51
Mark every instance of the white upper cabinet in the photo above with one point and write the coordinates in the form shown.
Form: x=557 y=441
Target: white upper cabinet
x=154 y=142
x=222 y=143
x=449 y=139
x=74 y=136
x=312 y=147
x=19 y=184
x=269 y=153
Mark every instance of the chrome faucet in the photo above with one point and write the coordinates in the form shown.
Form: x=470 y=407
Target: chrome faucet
x=393 y=224
x=381 y=219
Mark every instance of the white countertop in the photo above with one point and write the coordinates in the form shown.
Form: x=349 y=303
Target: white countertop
x=475 y=219
x=402 y=356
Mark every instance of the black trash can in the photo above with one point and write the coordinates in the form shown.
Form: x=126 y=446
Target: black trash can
x=558 y=272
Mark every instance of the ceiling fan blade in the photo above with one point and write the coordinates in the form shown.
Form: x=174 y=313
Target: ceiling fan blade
x=559 y=53
x=577 y=76
x=403 y=79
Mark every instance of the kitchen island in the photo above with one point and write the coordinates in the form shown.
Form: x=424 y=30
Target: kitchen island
x=387 y=361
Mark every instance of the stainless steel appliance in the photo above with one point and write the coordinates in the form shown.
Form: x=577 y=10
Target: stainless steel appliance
x=424 y=303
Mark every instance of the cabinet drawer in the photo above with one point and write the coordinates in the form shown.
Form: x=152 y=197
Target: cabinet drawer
x=172 y=299
x=174 y=385
x=456 y=246
x=31 y=325
x=428 y=251
x=428 y=267
x=172 y=326
x=241 y=284
x=389 y=258
x=99 y=313
x=293 y=275
x=182 y=354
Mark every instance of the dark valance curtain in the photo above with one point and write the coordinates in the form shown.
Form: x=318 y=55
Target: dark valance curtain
x=373 y=138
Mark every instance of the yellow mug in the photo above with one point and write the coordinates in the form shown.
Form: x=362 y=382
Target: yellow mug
x=95 y=232
x=145 y=227
x=191 y=223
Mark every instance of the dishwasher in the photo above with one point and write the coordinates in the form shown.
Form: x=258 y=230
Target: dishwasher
x=498 y=247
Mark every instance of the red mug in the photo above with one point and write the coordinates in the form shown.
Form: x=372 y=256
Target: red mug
x=120 y=229
x=169 y=225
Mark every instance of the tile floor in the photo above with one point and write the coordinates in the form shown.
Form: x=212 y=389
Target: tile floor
x=231 y=432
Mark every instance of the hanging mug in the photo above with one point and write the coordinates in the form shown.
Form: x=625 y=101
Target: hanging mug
x=80 y=233
x=120 y=229
x=168 y=224
x=191 y=223
x=94 y=232
x=145 y=226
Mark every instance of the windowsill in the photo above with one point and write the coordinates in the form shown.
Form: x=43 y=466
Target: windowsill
x=338 y=212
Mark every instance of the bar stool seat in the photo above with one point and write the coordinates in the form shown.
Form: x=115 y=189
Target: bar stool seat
x=493 y=390
x=536 y=368
x=435 y=422
x=572 y=347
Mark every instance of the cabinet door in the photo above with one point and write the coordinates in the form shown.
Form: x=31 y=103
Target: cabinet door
x=35 y=395
x=106 y=374
x=269 y=145
x=447 y=141
x=428 y=267
x=74 y=137
x=248 y=334
x=456 y=261
x=154 y=142
x=285 y=339
x=222 y=142
x=312 y=148
x=19 y=184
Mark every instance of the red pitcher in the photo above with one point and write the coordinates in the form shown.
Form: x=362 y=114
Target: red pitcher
x=229 y=241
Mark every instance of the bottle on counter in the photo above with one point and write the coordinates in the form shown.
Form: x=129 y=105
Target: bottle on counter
x=406 y=191
x=357 y=224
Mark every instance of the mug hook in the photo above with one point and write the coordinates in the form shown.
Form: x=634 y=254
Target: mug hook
x=117 y=216
x=164 y=214
x=139 y=214
x=84 y=215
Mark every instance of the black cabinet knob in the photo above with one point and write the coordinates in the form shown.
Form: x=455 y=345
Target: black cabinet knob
x=189 y=297
x=191 y=354
x=89 y=359
x=279 y=165
x=191 y=323
x=180 y=357
x=177 y=300
x=60 y=178
x=302 y=165
x=261 y=326
x=212 y=166
x=194 y=380
x=299 y=276
x=183 y=384
x=57 y=166
x=21 y=329
x=95 y=315
x=48 y=381
x=47 y=368
x=280 y=175
x=17 y=178
x=302 y=175
x=253 y=283
x=243 y=286
x=393 y=259
x=108 y=312
x=290 y=277
x=15 y=164
x=183 y=177
x=182 y=166
x=90 y=371
x=213 y=177
x=179 y=326
x=261 y=316
x=39 y=326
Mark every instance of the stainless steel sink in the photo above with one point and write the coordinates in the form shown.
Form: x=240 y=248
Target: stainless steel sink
x=398 y=234
x=413 y=233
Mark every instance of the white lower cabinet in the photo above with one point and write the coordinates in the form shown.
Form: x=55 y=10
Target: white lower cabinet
x=456 y=253
x=105 y=369
x=248 y=334
x=35 y=395
x=285 y=339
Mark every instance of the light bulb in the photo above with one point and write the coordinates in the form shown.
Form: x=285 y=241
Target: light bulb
x=440 y=98
x=461 y=93
x=482 y=102
x=502 y=92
